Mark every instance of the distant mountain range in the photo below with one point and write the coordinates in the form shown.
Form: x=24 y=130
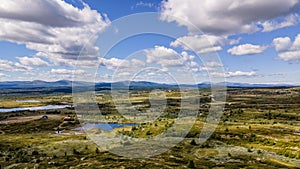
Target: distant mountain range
x=134 y=84
x=38 y=84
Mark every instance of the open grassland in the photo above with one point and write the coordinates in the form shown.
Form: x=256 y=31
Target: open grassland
x=260 y=128
x=16 y=102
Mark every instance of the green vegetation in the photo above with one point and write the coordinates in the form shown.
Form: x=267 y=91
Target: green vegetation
x=259 y=129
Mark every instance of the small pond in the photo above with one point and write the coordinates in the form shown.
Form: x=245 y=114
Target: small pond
x=49 y=107
x=105 y=126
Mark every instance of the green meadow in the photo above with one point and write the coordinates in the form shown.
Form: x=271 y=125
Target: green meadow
x=259 y=128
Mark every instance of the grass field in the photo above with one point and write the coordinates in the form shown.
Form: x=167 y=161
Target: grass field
x=260 y=128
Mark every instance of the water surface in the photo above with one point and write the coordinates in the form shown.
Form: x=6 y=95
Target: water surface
x=49 y=107
x=104 y=126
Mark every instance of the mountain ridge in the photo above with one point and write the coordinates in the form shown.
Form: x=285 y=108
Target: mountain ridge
x=68 y=83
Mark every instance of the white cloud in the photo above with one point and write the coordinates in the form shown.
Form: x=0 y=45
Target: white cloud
x=225 y=17
x=160 y=53
x=200 y=44
x=123 y=75
x=145 y=4
x=203 y=43
x=210 y=50
x=211 y=66
x=186 y=56
x=194 y=64
x=240 y=73
x=168 y=60
x=234 y=74
x=54 y=28
x=247 y=49
x=290 y=51
x=58 y=60
x=214 y=64
x=290 y=56
x=58 y=74
x=282 y=43
x=32 y=61
x=123 y=69
x=290 y=20
x=296 y=43
x=3 y=75
x=137 y=62
x=10 y=66
x=112 y=63
x=122 y=64
x=163 y=56
x=67 y=72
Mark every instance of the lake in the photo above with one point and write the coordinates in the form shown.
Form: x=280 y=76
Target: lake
x=104 y=126
x=49 y=107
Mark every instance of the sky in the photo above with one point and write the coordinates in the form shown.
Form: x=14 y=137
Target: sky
x=174 y=41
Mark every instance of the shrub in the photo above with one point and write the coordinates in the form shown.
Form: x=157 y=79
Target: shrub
x=298 y=155
x=191 y=164
x=35 y=153
x=75 y=152
x=126 y=143
x=7 y=158
x=148 y=133
x=193 y=142
x=97 y=151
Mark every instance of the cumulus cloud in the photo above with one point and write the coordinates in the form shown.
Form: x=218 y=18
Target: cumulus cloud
x=10 y=66
x=112 y=63
x=55 y=29
x=3 y=75
x=282 y=43
x=32 y=61
x=58 y=74
x=170 y=61
x=160 y=52
x=214 y=64
x=211 y=66
x=226 y=17
x=186 y=56
x=296 y=43
x=123 y=69
x=200 y=44
x=272 y=25
x=67 y=72
x=290 y=56
x=290 y=51
x=58 y=60
x=122 y=64
x=247 y=49
x=234 y=74
x=240 y=73
x=163 y=56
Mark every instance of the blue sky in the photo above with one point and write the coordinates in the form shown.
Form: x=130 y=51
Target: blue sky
x=250 y=41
